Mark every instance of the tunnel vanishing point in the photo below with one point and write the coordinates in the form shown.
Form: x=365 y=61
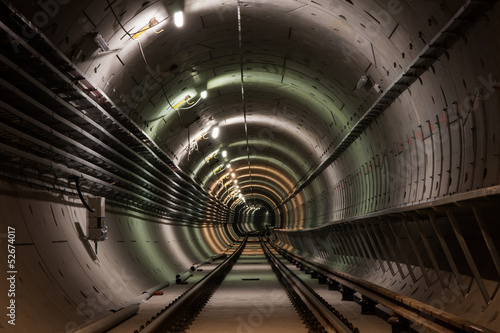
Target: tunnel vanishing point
x=140 y=137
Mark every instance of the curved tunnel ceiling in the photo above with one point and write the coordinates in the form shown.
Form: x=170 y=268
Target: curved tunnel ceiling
x=291 y=86
x=281 y=89
x=348 y=126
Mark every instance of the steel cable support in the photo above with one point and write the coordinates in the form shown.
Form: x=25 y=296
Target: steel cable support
x=88 y=97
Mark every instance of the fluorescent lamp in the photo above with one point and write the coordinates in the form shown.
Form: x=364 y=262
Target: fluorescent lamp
x=179 y=19
x=224 y=153
x=215 y=132
x=204 y=94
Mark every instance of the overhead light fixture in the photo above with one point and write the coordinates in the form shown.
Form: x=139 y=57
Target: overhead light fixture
x=152 y=22
x=233 y=175
x=190 y=103
x=224 y=153
x=235 y=181
x=179 y=19
x=215 y=132
x=182 y=101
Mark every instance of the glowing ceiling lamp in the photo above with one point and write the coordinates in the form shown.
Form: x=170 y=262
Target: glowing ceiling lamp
x=190 y=103
x=182 y=101
x=224 y=153
x=215 y=132
x=233 y=175
x=179 y=19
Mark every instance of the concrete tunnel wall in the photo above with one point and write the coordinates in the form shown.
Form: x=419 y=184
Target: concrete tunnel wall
x=62 y=283
x=438 y=139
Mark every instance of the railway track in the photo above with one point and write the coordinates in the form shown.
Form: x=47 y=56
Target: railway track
x=405 y=310
x=315 y=314
x=214 y=303
x=179 y=314
x=319 y=314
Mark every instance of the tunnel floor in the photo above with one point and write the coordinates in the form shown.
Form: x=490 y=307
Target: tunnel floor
x=152 y=306
x=250 y=299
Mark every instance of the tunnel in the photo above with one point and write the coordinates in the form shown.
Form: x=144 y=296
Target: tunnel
x=141 y=137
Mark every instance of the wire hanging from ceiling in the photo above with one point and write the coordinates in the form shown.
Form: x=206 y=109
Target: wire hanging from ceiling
x=151 y=72
x=240 y=39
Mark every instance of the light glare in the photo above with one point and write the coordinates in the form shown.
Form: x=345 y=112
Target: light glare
x=179 y=19
x=215 y=133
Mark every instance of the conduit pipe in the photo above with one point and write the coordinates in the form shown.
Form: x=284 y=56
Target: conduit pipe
x=182 y=277
x=208 y=261
x=111 y=320
x=129 y=308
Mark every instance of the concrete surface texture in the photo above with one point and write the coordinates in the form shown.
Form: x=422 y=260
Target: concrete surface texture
x=362 y=135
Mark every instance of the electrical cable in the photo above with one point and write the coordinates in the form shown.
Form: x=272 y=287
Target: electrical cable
x=77 y=183
x=151 y=73
x=117 y=20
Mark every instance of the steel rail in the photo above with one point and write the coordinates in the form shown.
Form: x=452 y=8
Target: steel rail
x=325 y=313
x=178 y=314
x=433 y=319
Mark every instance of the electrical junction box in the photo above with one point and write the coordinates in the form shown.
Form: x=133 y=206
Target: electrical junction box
x=97 y=230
